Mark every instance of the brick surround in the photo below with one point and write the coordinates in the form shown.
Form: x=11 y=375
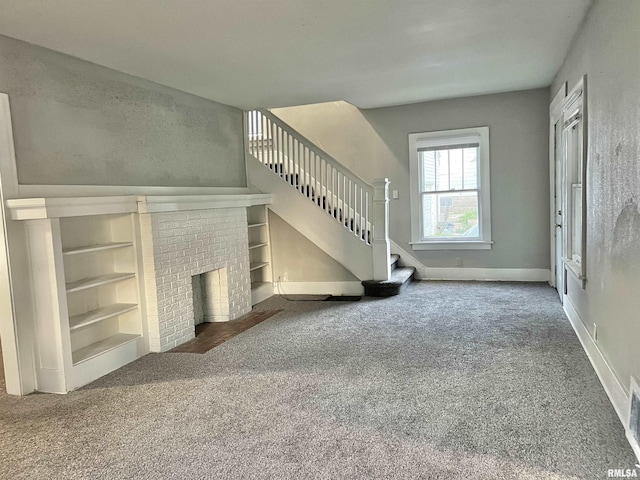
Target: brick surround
x=179 y=245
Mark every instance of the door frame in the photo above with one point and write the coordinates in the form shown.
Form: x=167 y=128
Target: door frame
x=555 y=149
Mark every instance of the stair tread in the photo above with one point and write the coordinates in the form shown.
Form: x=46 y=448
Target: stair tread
x=393 y=259
x=398 y=276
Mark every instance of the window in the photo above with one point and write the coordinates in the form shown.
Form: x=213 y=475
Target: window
x=450 y=197
x=574 y=176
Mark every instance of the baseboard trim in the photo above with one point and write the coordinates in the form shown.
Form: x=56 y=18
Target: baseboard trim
x=480 y=274
x=486 y=274
x=617 y=394
x=319 y=288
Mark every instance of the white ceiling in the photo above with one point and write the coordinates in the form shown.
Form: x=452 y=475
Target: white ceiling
x=274 y=53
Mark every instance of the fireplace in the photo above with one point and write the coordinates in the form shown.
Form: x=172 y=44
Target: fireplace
x=202 y=250
x=210 y=291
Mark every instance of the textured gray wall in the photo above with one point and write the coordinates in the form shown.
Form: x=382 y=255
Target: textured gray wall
x=606 y=49
x=373 y=143
x=296 y=256
x=76 y=123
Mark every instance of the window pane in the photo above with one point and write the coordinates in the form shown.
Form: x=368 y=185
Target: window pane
x=455 y=168
x=442 y=169
x=470 y=168
x=450 y=215
x=428 y=163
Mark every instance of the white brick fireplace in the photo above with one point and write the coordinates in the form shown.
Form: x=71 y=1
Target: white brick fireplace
x=182 y=238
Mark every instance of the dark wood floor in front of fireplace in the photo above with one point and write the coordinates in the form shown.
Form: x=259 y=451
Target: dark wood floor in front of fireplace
x=209 y=335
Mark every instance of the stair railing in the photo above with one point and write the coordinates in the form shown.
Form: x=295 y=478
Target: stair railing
x=361 y=208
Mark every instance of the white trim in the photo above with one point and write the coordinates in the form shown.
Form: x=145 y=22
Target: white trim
x=55 y=207
x=616 y=392
x=555 y=115
x=484 y=185
x=479 y=274
x=318 y=288
x=574 y=112
x=16 y=309
x=39 y=208
x=454 y=244
x=157 y=204
x=486 y=274
x=27 y=191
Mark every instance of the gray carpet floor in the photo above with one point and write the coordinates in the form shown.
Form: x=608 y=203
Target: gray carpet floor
x=446 y=381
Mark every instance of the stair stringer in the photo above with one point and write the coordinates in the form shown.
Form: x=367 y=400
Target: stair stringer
x=311 y=221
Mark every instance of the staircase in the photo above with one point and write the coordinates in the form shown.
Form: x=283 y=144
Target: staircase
x=334 y=208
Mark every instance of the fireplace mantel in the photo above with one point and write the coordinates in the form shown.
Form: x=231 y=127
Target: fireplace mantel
x=59 y=207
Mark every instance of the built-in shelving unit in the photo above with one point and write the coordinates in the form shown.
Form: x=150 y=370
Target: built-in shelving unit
x=259 y=253
x=86 y=287
x=100 y=270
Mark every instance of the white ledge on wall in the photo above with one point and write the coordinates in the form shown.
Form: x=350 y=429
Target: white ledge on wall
x=454 y=245
x=58 y=207
x=168 y=203
x=39 y=208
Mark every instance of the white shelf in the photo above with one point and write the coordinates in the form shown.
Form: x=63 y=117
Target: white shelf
x=94 y=316
x=257 y=265
x=96 y=248
x=97 y=281
x=253 y=225
x=103 y=346
x=257 y=285
x=258 y=245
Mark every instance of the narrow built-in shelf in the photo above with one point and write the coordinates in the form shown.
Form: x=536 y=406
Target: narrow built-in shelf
x=253 y=225
x=96 y=248
x=257 y=285
x=94 y=316
x=97 y=281
x=257 y=265
x=257 y=245
x=103 y=346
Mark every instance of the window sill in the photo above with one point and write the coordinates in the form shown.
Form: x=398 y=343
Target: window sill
x=576 y=269
x=453 y=245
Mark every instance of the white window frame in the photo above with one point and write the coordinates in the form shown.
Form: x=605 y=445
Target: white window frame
x=574 y=134
x=449 y=138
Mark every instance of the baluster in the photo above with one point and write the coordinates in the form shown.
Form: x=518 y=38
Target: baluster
x=334 y=201
x=362 y=229
x=296 y=165
x=343 y=187
x=254 y=140
x=314 y=176
x=265 y=135
x=274 y=148
x=325 y=185
x=280 y=153
x=366 y=218
x=271 y=140
x=307 y=162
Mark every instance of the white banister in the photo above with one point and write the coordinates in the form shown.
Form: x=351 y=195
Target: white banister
x=381 y=247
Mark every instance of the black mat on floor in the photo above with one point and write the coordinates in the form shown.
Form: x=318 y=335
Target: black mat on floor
x=342 y=298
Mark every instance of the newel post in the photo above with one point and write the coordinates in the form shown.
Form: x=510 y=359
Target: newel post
x=381 y=248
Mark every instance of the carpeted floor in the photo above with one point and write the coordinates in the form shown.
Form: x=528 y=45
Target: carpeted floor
x=446 y=381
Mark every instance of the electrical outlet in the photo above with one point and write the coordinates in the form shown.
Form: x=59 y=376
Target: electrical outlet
x=285 y=277
x=394 y=194
x=595 y=332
